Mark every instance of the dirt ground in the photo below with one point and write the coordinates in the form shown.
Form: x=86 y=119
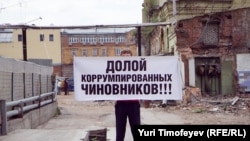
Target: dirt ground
x=100 y=114
x=75 y=118
x=212 y=110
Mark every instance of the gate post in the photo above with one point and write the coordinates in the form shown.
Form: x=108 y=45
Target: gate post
x=3 y=114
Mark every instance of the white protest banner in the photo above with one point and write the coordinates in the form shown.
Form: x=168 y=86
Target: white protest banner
x=120 y=78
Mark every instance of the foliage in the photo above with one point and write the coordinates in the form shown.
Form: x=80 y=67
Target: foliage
x=57 y=113
x=200 y=110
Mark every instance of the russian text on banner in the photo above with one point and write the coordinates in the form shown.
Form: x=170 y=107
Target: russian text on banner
x=119 y=78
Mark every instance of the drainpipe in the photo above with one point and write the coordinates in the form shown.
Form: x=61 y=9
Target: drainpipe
x=174 y=11
x=24 y=44
x=139 y=40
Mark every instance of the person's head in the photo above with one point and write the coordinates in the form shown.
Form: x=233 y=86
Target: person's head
x=126 y=52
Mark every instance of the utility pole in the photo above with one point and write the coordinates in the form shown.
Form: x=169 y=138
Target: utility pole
x=24 y=29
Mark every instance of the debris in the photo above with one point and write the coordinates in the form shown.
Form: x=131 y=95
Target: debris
x=214 y=109
x=235 y=99
x=96 y=135
x=191 y=95
x=146 y=103
x=200 y=110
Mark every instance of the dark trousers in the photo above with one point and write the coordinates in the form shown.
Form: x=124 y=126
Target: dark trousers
x=124 y=110
x=66 y=92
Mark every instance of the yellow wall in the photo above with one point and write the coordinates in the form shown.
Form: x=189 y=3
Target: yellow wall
x=44 y=49
x=35 y=48
x=240 y=4
x=12 y=49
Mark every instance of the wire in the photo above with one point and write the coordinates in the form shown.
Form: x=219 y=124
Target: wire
x=44 y=44
x=39 y=18
x=13 y=5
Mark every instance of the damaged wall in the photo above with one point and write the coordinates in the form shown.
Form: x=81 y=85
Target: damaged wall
x=222 y=35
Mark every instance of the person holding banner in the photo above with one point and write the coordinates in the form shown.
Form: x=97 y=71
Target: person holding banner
x=126 y=109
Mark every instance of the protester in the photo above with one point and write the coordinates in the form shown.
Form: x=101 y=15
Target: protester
x=126 y=109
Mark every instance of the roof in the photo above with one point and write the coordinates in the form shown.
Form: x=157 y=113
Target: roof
x=96 y=31
x=8 y=26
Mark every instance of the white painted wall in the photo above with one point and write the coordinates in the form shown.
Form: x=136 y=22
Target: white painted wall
x=191 y=67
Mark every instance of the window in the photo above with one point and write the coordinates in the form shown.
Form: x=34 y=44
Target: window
x=104 y=52
x=87 y=40
x=84 y=52
x=101 y=39
x=94 y=40
x=210 y=35
x=119 y=39
x=75 y=39
x=70 y=40
x=83 y=40
x=41 y=37
x=6 y=35
x=20 y=37
x=117 y=51
x=51 y=37
x=94 y=52
x=74 y=52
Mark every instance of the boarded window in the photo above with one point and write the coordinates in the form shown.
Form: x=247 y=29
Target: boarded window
x=210 y=34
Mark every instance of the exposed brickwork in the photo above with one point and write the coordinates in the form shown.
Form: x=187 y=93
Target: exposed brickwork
x=233 y=37
x=233 y=31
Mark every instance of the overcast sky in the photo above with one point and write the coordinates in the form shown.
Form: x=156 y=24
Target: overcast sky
x=71 y=12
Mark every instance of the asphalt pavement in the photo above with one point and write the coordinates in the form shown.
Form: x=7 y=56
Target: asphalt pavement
x=71 y=126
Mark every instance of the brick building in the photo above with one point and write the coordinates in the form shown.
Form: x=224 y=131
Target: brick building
x=215 y=50
x=162 y=40
x=211 y=38
x=94 y=42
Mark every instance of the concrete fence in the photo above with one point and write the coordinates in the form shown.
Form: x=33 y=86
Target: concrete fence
x=27 y=99
x=21 y=79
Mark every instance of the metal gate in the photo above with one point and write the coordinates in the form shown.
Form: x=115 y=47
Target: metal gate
x=208 y=75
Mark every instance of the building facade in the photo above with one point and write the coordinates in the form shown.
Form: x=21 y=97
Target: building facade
x=43 y=46
x=162 y=40
x=94 y=43
x=217 y=52
x=215 y=23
